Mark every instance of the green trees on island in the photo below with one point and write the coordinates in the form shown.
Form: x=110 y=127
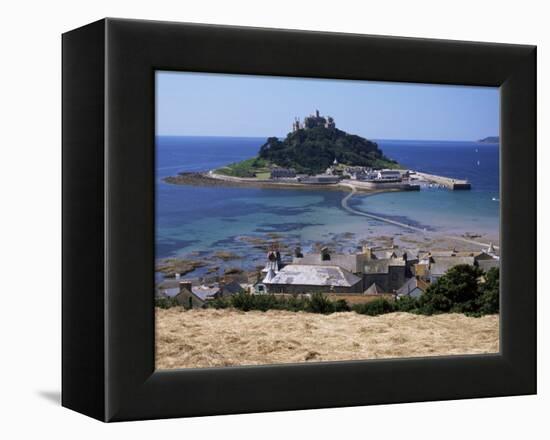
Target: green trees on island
x=313 y=150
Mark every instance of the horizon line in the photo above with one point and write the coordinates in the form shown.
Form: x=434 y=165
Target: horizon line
x=373 y=139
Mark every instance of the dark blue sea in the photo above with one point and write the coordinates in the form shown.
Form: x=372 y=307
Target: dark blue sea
x=195 y=221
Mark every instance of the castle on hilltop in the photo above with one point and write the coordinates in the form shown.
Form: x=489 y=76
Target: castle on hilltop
x=313 y=121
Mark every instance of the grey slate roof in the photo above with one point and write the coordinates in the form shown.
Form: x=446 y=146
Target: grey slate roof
x=443 y=264
x=412 y=253
x=385 y=254
x=269 y=276
x=410 y=285
x=485 y=265
x=169 y=284
x=349 y=262
x=231 y=288
x=437 y=254
x=205 y=292
x=382 y=266
x=314 y=275
x=374 y=289
x=483 y=256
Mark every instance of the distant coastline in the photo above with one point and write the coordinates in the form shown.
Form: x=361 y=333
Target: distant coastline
x=490 y=140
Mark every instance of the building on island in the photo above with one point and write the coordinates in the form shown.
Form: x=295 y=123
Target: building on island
x=376 y=176
x=356 y=172
x=320 y=179
x=388 y=176
x=312 y=121
x=280 y=173
x=296 y=125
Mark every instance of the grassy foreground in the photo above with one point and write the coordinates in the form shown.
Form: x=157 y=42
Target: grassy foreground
x=225 y=337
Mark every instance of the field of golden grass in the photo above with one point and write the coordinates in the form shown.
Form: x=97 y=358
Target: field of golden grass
x=216 y=338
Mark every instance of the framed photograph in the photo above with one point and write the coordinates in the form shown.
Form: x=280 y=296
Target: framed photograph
x=262 y=219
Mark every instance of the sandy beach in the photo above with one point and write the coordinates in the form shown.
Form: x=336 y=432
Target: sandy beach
x=217 y=338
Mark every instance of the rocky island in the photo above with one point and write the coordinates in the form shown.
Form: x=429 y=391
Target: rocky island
x=314 y=153
x=317 y=153
x=312 y=147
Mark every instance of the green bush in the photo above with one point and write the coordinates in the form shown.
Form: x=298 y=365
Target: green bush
x=488 y=300
x=319 y=303
x=219 y=303
x=244 y=301
x=460 y=291
x=406 y=304
x=341 y=305
x=165 y=302
x=266 y=302
x=295 y=303
x=376 y=307
x=458 y=285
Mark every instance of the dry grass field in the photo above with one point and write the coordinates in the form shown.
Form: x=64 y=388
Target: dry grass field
x=216 y=338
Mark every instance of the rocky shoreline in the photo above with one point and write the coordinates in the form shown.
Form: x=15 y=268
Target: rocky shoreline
x=246 y=253
x=205 y=179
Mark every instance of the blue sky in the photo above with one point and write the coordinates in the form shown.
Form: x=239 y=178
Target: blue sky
x=199 y=104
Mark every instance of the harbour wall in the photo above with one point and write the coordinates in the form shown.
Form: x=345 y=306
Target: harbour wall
x=448 y=182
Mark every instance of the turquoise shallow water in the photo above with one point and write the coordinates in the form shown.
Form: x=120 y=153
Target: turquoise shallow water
x=452 y=212
x=202 y=220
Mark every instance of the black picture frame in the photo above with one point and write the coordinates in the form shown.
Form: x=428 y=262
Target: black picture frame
x=108 y=219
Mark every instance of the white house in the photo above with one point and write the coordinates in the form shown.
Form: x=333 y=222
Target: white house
x=389 y=175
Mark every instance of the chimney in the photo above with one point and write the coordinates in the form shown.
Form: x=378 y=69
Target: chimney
x=367 y=251
x=185 y=285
